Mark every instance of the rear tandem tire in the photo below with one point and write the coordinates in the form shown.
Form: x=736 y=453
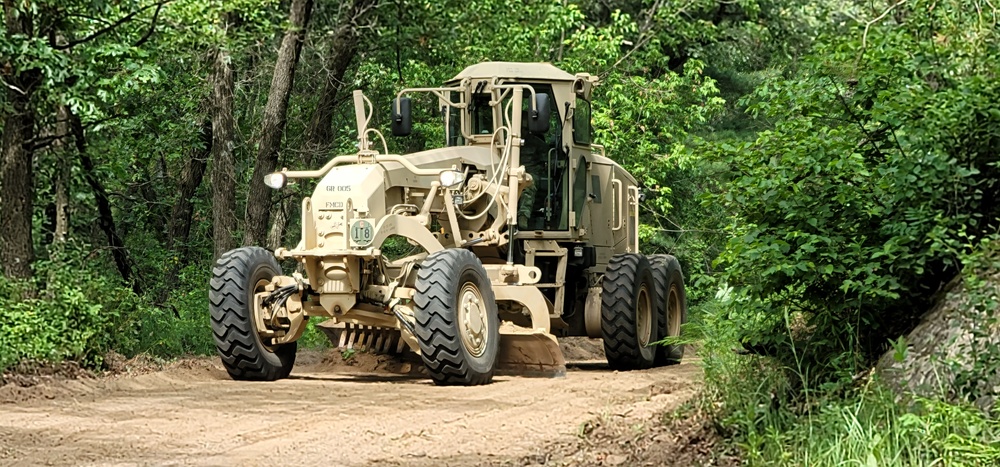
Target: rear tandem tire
x=236 y=277
x=628 y=315
x=458 y=325
x=671 y=307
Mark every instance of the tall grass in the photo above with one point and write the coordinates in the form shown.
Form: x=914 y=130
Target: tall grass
x=772 y=420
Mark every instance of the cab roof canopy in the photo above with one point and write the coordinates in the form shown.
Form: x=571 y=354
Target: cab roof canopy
x=514 y=70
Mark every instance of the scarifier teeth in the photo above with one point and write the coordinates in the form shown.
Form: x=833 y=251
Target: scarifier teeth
x=370 y=339
x=366 y=339
x=343 y=339
x=386 y=343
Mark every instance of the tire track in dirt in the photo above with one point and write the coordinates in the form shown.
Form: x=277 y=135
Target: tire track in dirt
x=326 y=413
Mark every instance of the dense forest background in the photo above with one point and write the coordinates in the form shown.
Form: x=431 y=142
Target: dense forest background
x=821 y=169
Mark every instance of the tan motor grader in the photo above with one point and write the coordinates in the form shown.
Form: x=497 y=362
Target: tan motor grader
x=521 y=230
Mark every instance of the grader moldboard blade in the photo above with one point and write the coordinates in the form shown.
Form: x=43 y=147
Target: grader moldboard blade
x=529 y=352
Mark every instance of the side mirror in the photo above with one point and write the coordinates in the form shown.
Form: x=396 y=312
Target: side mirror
x=538 y=119
x=402 y=122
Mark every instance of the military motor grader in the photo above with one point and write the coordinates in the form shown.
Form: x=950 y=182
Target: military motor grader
x=521 y=230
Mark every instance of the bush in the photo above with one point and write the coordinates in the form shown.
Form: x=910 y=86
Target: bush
x=67 y=320
x=752 y=401
x=879 y=172
x=75 y=313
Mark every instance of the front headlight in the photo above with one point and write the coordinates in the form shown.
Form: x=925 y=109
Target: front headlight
x=451 y=178
x=276 y=180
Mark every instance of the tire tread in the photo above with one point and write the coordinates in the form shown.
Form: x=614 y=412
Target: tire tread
x=619 y=326
x=437 y=331
x=242 y=354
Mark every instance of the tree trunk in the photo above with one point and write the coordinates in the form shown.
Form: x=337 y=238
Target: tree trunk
x=63 y=176
x=16 y=178
x=106 y=219
x=16 y=250
x=273 y=126
x=194 y=171
x=276 y=235
x=342 y=49
x=223 y=143
x=179 y=228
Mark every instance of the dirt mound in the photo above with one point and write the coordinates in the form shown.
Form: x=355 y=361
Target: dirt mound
x=340 y=361
x=581 y=349
x=54 y=381
x=28 y=374
x=28 y=380
x=117 y=364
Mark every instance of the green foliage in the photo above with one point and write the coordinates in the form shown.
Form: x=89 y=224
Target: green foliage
x=81 y=312
x=977 y=355
x=870 y=428
x=751 y=399
x=876 y=175
x=70 y=320
x=868 y=187
x=65 y=326
x=313 y=338
x=178 y=327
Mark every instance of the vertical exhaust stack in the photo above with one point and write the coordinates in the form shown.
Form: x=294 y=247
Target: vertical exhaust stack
x=362 y=120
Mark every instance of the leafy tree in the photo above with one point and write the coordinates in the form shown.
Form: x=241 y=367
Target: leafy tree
x=852 y=211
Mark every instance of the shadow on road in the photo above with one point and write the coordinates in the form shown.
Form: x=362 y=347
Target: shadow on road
x=365 y=378
x=590 y=365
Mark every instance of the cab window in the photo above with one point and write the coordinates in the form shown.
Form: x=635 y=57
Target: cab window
x=581 y=122
x=482 y=115
x=455 y=137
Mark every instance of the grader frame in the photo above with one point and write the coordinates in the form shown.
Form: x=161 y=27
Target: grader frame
x=525 y=230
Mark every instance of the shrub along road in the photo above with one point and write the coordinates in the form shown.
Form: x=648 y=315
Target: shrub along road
x=369 y=412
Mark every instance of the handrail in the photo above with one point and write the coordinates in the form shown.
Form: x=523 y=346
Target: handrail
x=461 y=88
x=633 y=193
x=339 y=160
x=619 y=203
x=437 y=92
x=599 y=148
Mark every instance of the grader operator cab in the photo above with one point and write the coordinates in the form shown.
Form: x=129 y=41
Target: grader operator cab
x=522 y=231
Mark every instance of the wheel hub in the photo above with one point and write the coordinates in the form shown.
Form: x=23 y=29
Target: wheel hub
x=674 y=312
x=472 y=319
x=644 y=317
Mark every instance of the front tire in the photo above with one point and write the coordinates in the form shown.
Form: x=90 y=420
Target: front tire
x=672 y=306
x=236 y=277
x=628 y=314
x=458 y=325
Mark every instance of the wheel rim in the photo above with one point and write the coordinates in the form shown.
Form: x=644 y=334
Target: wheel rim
x=674 y=312
x=472 y=319
x=644 y=316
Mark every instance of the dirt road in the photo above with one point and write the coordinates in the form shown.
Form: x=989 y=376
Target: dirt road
x=328 y=413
